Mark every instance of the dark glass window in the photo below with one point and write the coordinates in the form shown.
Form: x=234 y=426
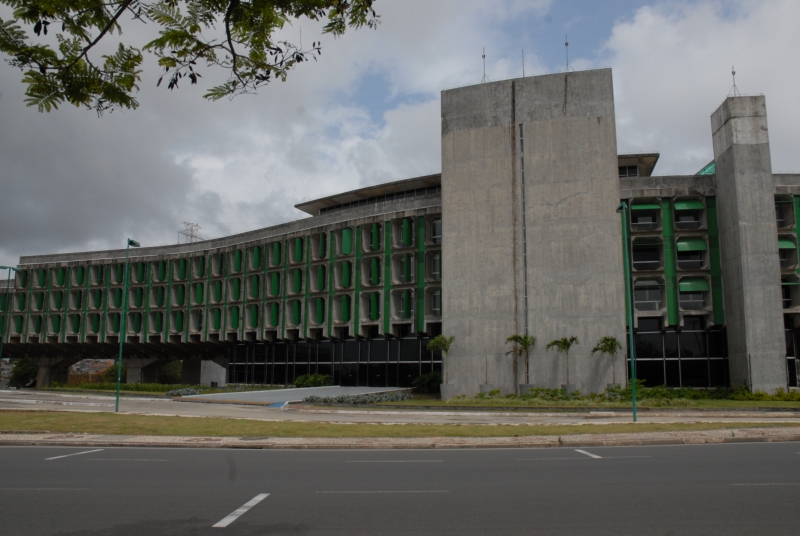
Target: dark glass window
x=693 y=344
x=687 y=219
x=694 y=372
x=690 y=260
x=350 y=352
x=649 y=345
x=646 y=257
x=692 y=301
x=649 y=324
x=718 y=369
x=652 y=372
x=644 y=220
x=786 y=295
x=716 y=344
x=379 y=351
x=672 y=368
x=671 y=344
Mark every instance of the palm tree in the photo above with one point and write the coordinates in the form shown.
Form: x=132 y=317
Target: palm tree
x=522 y=345
x=562 y=346
x=442 y=343
x=609 y=345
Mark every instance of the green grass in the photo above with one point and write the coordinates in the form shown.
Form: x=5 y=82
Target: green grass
x=155 y=388
x=500 y=402
x=123 y=424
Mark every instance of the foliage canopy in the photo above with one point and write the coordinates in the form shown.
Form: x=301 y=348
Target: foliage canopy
x=237 y=36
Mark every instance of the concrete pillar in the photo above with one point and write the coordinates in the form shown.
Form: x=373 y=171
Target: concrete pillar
x=560 y=223
x=52 y=369
x=190 y=372
x=205 y=371
x=140 y=369
x=749 y=244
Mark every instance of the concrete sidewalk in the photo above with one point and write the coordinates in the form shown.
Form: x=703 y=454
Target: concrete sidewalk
x=282 y=396
x=572 y=440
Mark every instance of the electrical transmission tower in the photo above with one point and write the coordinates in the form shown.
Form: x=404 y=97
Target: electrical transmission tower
x=191 y=231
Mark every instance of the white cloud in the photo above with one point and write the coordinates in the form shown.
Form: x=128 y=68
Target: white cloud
x=672 y=69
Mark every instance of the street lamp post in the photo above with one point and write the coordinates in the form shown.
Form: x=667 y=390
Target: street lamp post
x=7 y=307
x=135 y=244
x=622 y=209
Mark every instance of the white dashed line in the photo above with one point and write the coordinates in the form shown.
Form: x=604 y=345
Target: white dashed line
x=413 y=491
x=240 y=511
x=588 y=453
x=73 y=454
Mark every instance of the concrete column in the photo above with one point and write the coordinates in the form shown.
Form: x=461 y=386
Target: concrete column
x=205 y=371
x=137 y=369
x=52 y=369
x=190 y=371
x=749 y=244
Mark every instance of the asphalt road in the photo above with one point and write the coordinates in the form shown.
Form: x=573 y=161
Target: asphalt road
x=728 y=489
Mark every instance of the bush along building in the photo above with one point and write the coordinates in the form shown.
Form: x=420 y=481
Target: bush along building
x=519 y=234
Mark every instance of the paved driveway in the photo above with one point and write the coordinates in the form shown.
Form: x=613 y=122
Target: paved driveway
x=280 y=396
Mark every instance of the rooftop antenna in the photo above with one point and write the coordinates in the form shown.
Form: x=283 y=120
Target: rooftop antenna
x=191 y=231
x=485 y=78
x=566 y=47
x=734 y=90
x=523 y=63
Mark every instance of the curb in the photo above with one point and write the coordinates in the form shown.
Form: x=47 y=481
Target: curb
x=564 y=441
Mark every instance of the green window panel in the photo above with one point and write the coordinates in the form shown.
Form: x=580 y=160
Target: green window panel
x=408 y=267
x=61 y=276
x=256 y=257
x=199 y=293
x=41 y=278
x=162 y=270
x=57 y=301
x=217 y=290
x=786 y=282
x=254 y=286
x=182 y=269
x=22 y=279
x=347 y=241
x=20 y=298
x=216 y=318
x=296 y=312
x=159 y=296
x=116 y=297
x=17 y=323
x=709 y=169
x=55 y=323
x=3 y=302
x=323 y=245
x=117 y=273
x=407 y=233
x=692 y=244
x=236 y=289
x=276 y=254
x=320 y=318
x=138 y=297
x=135 y=325
x=94 y=322
x=237 y=260
x=77 y=300
x=375 y=271
x=297 y=280
x=201 y=267
x=158 y=322
x=689 y=205
x=114 y=322
x=374 y=306
x=180 y=295
x=37 y=324
x=298 y=249
x=347 y=269
x=275 y=284
x=407 y=310
x=80 y=273
x=321 y=277
x=75 y=323
x=346 y=308
x=140 y=272
x=646 y=206
x=692 y=284
x=253 y=317
x=375 y=237
x=274 y=314
x=178 y=326
x=785 y=243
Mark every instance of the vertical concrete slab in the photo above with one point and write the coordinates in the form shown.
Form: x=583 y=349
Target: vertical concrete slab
x=574 y=236
x=479 y=288
x=749 y=244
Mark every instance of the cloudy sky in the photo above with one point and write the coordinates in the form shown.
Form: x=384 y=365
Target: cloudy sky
x=368 y=112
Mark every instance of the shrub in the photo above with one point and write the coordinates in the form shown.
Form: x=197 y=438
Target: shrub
x=110 y=374
x=169 y=373
x=313 y=380
x=23 y=374
x=428 y=383
x=358 y=399
x=187 y=391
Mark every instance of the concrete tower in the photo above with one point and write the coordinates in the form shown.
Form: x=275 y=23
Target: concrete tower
x=532 y=242
x=749 y=244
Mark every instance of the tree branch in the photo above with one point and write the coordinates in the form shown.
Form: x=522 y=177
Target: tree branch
x=122 y=8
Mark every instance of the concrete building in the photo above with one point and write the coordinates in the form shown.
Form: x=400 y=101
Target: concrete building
x=519 y=234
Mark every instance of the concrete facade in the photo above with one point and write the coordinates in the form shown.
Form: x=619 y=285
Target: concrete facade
x=749 y=243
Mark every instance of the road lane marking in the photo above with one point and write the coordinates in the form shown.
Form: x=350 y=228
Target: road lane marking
x=588 y=453
x=73 y=454
x=770 y=484
x=125 y=460
x=413 y=491
x=573 y=458
x=240 y=511
x=43 y=489
x=394 y=461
